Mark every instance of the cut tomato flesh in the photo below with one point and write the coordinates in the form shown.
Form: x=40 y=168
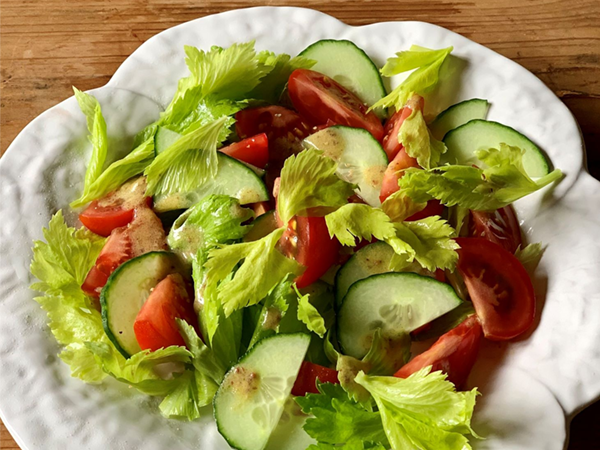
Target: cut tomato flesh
x=253 y=150
x=306 y=381
x=102 y=220
x=454 y=353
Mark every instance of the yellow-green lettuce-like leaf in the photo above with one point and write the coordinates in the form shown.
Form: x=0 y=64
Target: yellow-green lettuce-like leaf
x=356 y=221
x=418 y=141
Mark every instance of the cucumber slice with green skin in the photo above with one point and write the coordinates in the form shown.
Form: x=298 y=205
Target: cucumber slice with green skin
x=361 y=159
x=457 y=115
x=125 y=292
x=253 y=394
x=370 y=260
x=395 y=302
x=233 y=178
x=263 y=225
x=464 y=141
x=351 y=67
x=164 y=138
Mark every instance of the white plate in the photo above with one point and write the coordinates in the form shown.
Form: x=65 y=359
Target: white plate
x=529 y=386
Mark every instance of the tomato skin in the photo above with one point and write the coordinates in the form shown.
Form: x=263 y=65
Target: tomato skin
x=253 y=150
x=155 y=326
x=93 y=283
x=454 y=353
x=321 y=99
x=401 y=161
x=499 y=286
x=500 y=226
x=390 y=142
x=103 y=219
x=306 y=381
x=307 y=240
x=284 y=128
x=433 y=208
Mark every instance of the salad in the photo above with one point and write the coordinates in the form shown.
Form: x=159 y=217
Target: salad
x=276 y=242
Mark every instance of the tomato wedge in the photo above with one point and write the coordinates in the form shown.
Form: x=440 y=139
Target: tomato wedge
x=499 y=286
x=103 y=219
x=454 y=353
x=401 y=161
x=500 y=226
x=284 y=128
x=321 y=99
x=144 y=234
x=307 y=240
x=306 y=381
x=390 y=142
x=155 y=326
x=253 y=150
x=433 y=208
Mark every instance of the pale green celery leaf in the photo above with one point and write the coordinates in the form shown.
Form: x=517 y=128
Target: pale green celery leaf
x=98 y=137
x=188 y=162
x=348 y=367
x=419 y=142
x=502 y=182
x=400 y=206
x=309 y=315
x=337 y=419
x=424 y=400
x=216 y=219
x=356 y=221
x=431 y=240
x=245 y=288
x=118 y=173
x=530 y=256
x=225 y=72
x=458 y=217
x=412 y=59
x=422 y=80
x=192 y=392
x=330 y=351
x=350 y=445
x=197 y=388
x=280 y=67
x=274 y=310
x=82 y=363
x=309 y=180
x=64 y=260
x=139 y=370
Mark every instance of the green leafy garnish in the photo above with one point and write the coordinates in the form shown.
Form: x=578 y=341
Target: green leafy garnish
x=530 y=256
x=422 y=411
x=502 y=182
x=419 y=142
x=216 y=219
x=356 y=221
x=427 y=62
x=245 y=287
x=400 y=206
x=188 y=162
x=308 y=180
x=309 y=315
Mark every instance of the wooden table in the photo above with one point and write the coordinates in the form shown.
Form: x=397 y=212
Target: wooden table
x=48 y=46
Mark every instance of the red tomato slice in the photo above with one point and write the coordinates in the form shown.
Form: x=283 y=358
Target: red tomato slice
x=454 y=353
x=319 y=98
x=307 y=240
x=155 y=326
x=433 y=208
x=143 y=235
x=306 y=381
x=253 y=150
x=499 y=286
x=284 y=128
x=103 y=219
x=401 y=161
x=390 y=143
x=500 y=226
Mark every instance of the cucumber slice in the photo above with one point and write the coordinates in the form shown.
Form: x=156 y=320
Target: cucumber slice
x=370 y=260
x=233 y=178
x=457 y=115
x=361 y=159
x=395 y=302
x=464 y=141
x=164 y=138
x=262 y=226
x=126 y=291
x=252 y=396
x=351 y=67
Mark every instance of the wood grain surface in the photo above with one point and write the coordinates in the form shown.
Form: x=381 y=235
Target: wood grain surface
x=48 y=46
